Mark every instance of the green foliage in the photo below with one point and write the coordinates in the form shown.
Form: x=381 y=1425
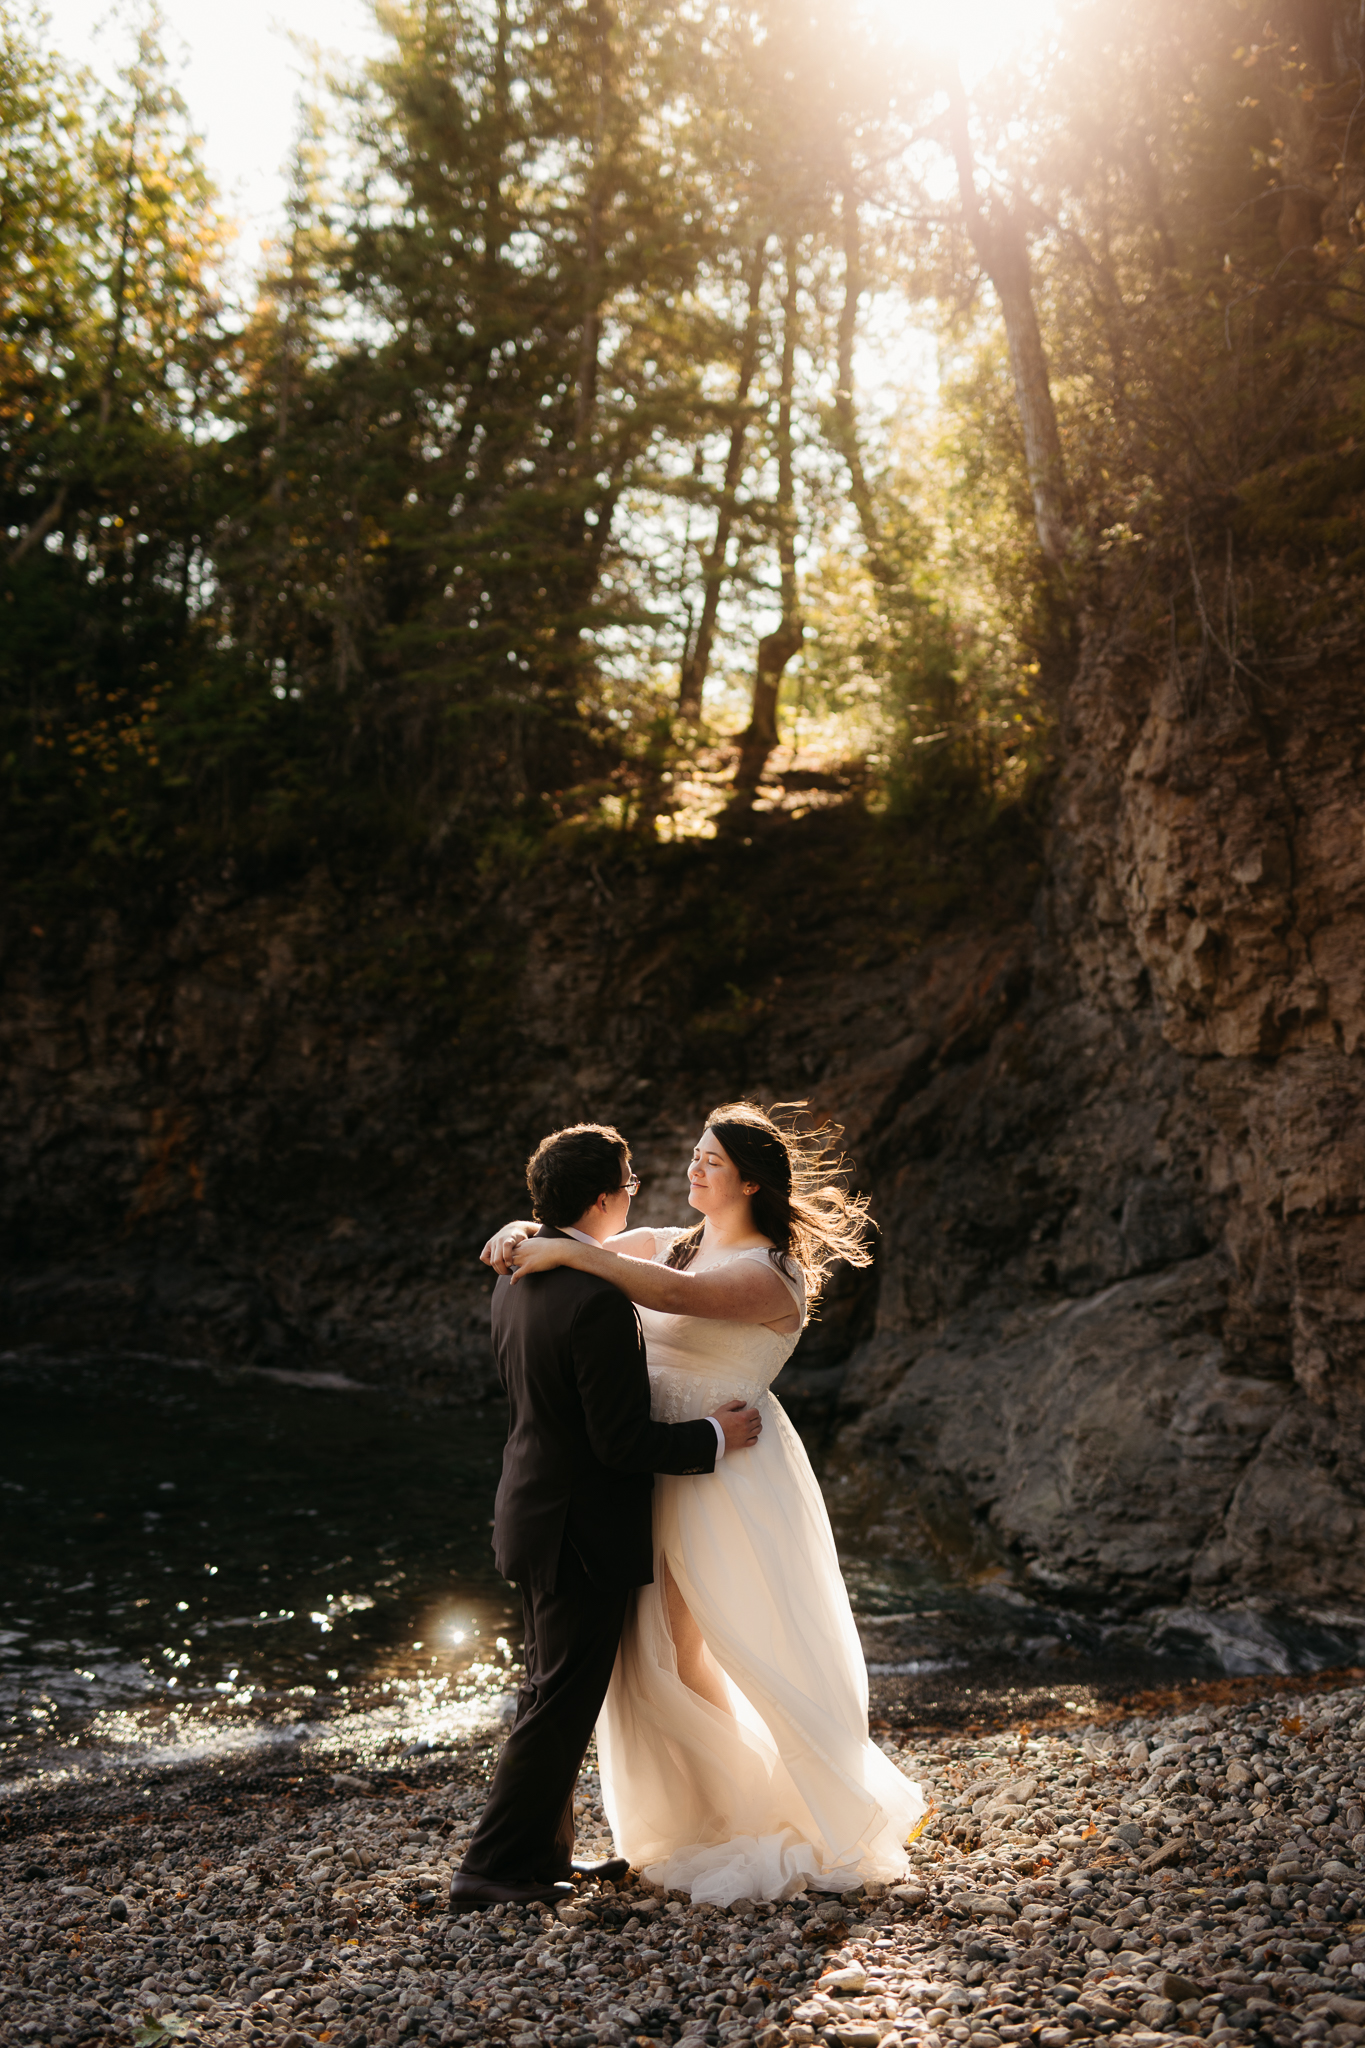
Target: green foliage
x=1196 y=181
x=407 y=560
x=945 y=662
x=112 y=349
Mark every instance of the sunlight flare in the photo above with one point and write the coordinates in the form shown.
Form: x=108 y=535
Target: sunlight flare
x=980 y=33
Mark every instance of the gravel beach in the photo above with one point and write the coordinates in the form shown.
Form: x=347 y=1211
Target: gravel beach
x=1197 y=1872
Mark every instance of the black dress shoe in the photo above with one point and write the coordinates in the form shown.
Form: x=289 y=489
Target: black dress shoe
x=468 y=1890
x=609 y=1872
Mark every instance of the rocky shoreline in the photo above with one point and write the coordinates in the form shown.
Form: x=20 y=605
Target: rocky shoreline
x=1194 y=1873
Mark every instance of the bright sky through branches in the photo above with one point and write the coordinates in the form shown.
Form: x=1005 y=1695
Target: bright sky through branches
x=241 y=69
x=243 y=73
x=979 y=32
x=241 y=78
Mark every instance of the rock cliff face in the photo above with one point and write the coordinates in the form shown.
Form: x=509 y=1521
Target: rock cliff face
x=277 y=1128
x=1121 y=1309
x=1109 y=1114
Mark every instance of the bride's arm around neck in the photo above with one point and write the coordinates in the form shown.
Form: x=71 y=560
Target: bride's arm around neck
x=497 y=1253
x=742 y=1291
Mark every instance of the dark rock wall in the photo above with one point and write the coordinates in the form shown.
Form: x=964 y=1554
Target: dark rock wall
x=1121 y=1310
x=1115 y=1329
x=218 y=1141
x=278 y=1128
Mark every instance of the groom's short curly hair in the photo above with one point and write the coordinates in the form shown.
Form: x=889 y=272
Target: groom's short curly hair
x=571 y=1168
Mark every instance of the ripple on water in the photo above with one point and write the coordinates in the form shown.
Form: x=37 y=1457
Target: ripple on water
x=200 y=1561
x=410 y=1716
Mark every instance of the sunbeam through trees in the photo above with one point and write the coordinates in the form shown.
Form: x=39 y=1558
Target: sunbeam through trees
x=534 y=487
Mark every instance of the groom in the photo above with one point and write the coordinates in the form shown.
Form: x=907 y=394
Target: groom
x=572 y=1524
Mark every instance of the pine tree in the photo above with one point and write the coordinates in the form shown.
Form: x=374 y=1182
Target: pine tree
x=113 y=355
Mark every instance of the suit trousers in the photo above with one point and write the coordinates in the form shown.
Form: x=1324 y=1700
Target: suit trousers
x=525 y=1833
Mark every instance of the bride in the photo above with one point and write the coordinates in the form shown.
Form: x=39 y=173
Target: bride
x=733 y=1743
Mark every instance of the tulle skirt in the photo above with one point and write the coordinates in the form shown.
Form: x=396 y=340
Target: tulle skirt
x=786 y=1791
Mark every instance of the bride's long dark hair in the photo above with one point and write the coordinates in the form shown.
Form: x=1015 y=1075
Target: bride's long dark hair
x=802 y=1201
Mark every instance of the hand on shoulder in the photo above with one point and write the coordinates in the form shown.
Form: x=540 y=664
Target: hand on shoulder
x=541 y=1254
x=498 y=1250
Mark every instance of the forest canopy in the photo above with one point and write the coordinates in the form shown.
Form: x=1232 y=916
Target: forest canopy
x=531 y=488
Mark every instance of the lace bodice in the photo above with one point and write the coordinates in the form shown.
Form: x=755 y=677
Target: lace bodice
x=696 y=1362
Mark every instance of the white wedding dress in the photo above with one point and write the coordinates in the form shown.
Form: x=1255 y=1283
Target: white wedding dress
x=787 y=1791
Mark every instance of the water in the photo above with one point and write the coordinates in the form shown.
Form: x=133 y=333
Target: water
x=200 y=1561
x=197 y=1560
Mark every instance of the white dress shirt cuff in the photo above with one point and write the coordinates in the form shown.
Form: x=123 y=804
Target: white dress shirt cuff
x=720 y=1437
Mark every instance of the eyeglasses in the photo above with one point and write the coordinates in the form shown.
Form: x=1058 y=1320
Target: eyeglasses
x=631 y=1186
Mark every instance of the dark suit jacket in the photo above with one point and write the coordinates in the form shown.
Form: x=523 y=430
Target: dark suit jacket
x=581 y=1448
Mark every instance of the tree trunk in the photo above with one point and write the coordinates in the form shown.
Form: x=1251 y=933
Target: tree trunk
x=495 y=227
x=586 y=538
x=118 y=290
x=40 y=528
x=590 y=338
x=845 y=415
x=284 y=390
x=697 y=665
x=779 y=647
x=472 y=416
x=1002 y=250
